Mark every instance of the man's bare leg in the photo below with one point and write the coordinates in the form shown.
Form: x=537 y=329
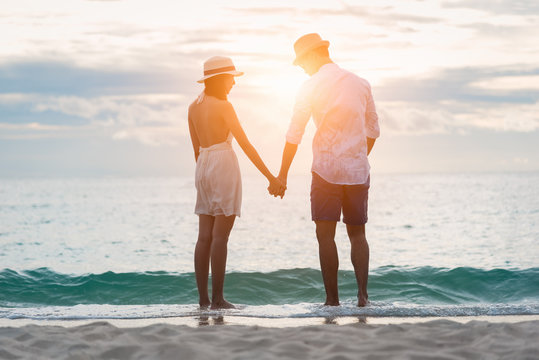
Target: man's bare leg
x=360 y=260
x=221 y=230
x=329 y=259
x=202 y=258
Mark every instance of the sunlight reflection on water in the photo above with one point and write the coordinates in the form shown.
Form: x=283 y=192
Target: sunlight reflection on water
x=147 y=224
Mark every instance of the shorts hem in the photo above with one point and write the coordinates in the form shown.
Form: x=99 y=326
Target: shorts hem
x=238 y=214
x=325 y=219
x=355 y=223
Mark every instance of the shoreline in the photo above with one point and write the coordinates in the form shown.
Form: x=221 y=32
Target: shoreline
x=198 y=321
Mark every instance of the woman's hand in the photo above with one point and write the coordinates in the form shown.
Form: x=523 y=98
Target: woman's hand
x=276 y=187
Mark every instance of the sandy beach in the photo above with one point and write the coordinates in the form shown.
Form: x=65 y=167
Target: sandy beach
x=216 y=338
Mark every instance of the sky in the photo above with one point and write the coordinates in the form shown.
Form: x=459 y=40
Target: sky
x=101 y=88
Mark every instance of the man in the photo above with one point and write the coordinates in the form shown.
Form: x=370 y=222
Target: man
x=343 y=110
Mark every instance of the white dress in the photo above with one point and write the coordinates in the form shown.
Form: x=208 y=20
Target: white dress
x=218 y=180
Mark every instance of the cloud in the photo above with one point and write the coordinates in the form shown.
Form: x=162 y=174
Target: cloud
x=152 y=119
x=519 y=160
x=452 y=100
x=385 y=16
x=502 y=7
x=153 y=135
x=371 y=14
x=415 y=118
x=63 y=78
x=459 y=84
x=39 y=131
x=498 y=31
x=404 y=118
x=52 y=99
x=509 y=83
x=458 y=100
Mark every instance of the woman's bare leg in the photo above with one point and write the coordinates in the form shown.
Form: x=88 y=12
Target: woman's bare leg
x=221 y=230
x=202 y=257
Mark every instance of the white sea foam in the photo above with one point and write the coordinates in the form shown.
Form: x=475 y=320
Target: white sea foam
x=303 y=310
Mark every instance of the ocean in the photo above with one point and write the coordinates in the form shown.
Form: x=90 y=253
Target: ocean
x=122 y=248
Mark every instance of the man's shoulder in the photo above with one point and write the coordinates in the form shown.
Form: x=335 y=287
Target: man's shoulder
x=356 y=77
x=336 y=71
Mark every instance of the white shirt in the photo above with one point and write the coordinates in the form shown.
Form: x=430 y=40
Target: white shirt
x=343 y=111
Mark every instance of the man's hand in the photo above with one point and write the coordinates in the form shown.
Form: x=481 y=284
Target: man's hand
x=289 y=152
x=276 y=187
x=282 y=179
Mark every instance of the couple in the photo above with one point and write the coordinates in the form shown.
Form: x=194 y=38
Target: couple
x=343 y=110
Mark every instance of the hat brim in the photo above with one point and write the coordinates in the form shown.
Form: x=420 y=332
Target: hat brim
x=323 y=43
x=233 y=72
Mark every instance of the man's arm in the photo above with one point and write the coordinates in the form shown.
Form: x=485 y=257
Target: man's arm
x=372 y=128
x=288 y=155
x=370 y=144
x=300 y=118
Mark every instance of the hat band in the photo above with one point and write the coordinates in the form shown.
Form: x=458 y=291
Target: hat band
x=221 y=69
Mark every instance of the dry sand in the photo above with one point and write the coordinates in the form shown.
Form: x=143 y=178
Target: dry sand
x=434 y=339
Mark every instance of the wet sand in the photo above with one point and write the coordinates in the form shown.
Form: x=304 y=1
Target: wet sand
x=511 y=337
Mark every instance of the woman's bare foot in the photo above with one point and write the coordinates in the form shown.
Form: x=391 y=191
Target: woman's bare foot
x=221 y=304
x=204 y=302
x=204 y=305
x=362 y=301
x=332 y=303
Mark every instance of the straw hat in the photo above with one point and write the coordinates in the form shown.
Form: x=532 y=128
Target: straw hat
x=307 y=43
x=219 y=65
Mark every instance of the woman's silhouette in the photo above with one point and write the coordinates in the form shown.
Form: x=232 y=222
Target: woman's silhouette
x=212 y=125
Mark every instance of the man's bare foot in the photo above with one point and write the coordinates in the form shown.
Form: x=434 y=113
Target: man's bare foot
x=362 y=301
x=222 y=304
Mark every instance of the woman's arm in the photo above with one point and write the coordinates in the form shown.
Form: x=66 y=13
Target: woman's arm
x=231 y=119
x=194 y=136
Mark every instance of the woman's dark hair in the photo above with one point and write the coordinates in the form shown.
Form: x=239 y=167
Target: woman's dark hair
x=215 y=86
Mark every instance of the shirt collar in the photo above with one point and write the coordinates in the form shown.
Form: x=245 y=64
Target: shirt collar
x=327 y=67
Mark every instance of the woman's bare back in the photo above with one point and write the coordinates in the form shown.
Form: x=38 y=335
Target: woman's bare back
x=210 y=123
x=208 y=120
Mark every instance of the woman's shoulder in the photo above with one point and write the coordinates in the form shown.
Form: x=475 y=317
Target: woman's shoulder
x=220 y=104
x=217 y=101
x=193 y=106
x=212 y=105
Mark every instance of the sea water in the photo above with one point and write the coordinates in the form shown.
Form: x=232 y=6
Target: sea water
x=440 y=245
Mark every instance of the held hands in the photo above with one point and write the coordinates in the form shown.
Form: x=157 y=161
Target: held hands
x=277 y=187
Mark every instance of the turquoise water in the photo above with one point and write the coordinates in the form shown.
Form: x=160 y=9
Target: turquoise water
x=395 y=291
x=441 y=245
x=426 y=285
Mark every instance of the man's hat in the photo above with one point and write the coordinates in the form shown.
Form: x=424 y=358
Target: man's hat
x=307 y=43
x=219 y=65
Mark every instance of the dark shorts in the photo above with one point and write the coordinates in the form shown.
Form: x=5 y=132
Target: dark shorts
x=327 y=201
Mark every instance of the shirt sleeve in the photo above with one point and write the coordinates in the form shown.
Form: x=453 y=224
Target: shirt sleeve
x=301 y=115
x=372 y=128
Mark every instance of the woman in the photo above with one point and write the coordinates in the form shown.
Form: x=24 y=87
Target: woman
x=212 y=124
